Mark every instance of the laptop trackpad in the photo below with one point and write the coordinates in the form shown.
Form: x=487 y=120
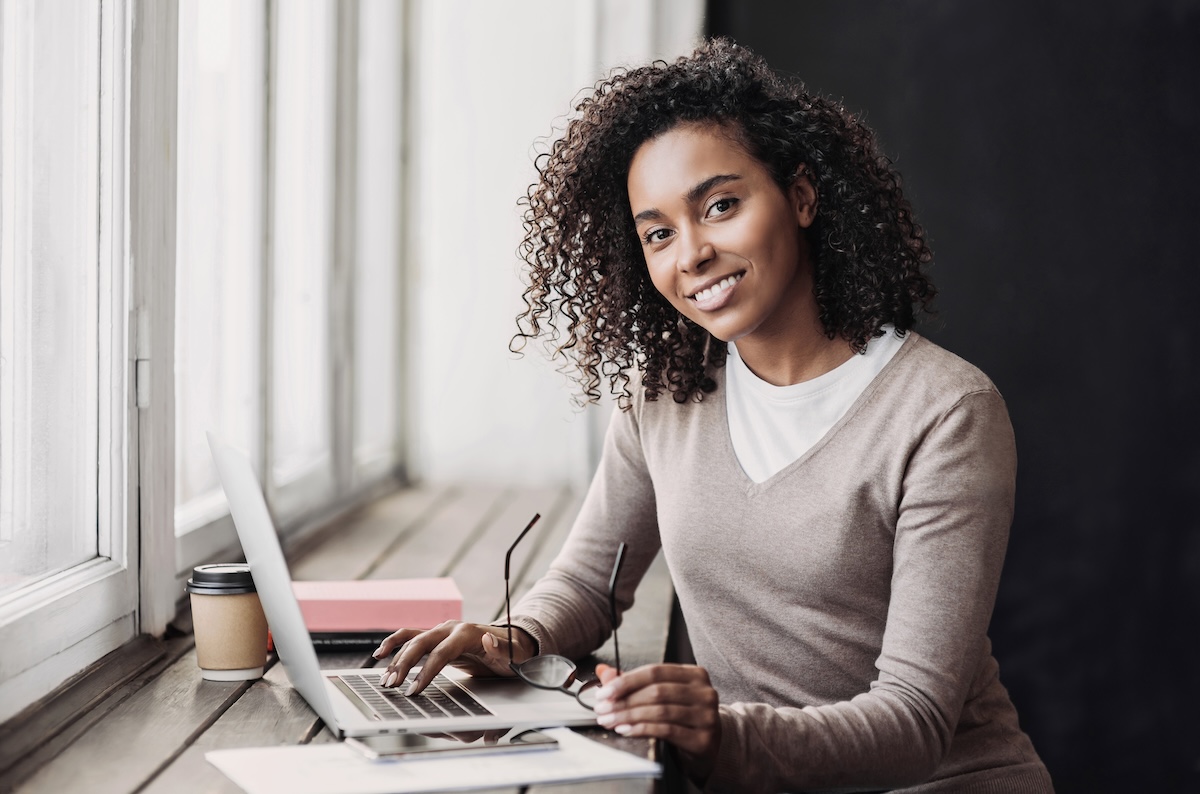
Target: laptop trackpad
x=501 y=692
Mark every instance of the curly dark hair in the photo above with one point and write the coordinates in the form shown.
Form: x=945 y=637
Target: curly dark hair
x=589 y=293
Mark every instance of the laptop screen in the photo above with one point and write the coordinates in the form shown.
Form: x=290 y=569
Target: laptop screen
x=271 y=578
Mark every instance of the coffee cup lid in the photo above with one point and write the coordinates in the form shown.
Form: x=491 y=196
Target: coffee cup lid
x=223 y=578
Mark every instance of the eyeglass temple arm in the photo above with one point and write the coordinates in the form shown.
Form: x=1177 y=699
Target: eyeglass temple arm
x=612 y=601
x=507 y=602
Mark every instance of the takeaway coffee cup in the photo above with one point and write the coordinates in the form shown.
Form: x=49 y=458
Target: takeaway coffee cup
x=228 y=619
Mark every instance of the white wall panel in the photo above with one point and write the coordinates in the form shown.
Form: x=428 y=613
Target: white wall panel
x=489 y=79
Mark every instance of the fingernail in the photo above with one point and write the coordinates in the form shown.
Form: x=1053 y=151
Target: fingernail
x=604 y=693
x=607 y=719
x=382 y=679
x=378 y=652
x=602 y=706
x=411 y=688
x=624 y=730
x=391 y=679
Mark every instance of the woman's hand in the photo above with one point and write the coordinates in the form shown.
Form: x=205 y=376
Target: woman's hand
x=478 y=649
x=675 y=702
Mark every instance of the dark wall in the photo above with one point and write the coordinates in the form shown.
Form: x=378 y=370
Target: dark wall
x=1050 y=150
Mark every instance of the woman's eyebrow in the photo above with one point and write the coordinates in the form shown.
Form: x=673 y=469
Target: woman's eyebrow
x=698 y=192
x=691 y=197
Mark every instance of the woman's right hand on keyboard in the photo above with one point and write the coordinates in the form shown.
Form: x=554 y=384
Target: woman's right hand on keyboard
x=478 y=649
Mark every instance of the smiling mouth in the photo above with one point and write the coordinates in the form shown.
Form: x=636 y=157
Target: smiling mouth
x=716 y=290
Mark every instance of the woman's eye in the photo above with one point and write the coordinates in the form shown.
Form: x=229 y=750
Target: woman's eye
x=656 y=236
x=721 y=206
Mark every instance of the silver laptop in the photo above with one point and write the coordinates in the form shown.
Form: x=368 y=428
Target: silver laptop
x=350 y=701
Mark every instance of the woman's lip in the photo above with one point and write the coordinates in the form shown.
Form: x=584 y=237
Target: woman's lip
x=721 y=298
x=713 y=282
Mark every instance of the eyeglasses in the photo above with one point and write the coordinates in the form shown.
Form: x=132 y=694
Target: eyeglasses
x=552 y=671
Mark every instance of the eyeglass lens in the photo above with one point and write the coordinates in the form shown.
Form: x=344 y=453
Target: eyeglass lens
x=557 y=672
x=551 y=671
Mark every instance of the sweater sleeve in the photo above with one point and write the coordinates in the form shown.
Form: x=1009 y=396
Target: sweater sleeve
x=566 y=611
x=951 y=533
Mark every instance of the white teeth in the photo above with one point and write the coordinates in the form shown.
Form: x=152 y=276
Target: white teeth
x=717 y=289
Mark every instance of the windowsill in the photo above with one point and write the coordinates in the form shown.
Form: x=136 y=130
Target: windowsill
x=41 y=730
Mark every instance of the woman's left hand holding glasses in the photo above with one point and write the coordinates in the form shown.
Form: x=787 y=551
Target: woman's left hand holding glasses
x=675 y=702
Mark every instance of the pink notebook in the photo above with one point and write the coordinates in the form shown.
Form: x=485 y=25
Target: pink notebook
x=378 y=604
x=359 y=613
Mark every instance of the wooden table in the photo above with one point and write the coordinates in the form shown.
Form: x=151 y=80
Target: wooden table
x=143 y=719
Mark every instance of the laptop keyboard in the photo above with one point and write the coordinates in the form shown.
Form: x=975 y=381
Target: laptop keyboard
x=442 y=698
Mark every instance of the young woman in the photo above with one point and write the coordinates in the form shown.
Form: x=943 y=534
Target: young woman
x=832 y=492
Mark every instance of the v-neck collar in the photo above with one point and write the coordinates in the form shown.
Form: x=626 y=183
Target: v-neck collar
x=721 y=427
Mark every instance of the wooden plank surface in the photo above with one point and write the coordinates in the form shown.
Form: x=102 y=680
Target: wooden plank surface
x=154 y=736
x=643 y=630
x=429 y=549
x=141 y=735
x=132 y=675
x=479 y=571
x=61 y=714
x=545 y=547
x=269 y=712
x=349 y=551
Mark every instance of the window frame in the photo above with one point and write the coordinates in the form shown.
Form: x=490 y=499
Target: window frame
x=210 y=534
x=64 y=622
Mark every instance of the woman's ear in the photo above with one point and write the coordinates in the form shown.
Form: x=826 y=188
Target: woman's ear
x=804 y=197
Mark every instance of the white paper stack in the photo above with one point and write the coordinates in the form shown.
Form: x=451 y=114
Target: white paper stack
x=329 y=768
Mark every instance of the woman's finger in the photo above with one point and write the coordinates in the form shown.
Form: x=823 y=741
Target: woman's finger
x=621 y=686
x=411 y=651
x=480 y=650
x=662 y=693
x=673 y=702
x=495 y=645
x=476 y=648
x=495 y=649
x=463 y=639
x=606 y=673
x=410 y=655
x=393 y=641
x=683 y=715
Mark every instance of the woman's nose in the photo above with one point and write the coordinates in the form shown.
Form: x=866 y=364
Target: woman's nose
x=695 y=253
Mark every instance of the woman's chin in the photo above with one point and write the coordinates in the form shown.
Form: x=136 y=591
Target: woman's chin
x=726 y=331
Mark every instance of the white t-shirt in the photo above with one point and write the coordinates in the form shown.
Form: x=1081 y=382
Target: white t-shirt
x=771 y=426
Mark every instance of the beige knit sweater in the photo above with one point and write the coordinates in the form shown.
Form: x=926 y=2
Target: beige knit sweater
x=841 y=606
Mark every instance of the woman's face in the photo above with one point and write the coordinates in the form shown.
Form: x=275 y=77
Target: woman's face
x=722 y=242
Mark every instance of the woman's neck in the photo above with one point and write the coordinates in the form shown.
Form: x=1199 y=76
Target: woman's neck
x=802 y=354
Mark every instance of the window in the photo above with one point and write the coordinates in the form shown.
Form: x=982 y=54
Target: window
x=65 y=396
x=303 y=254
x=287 y=297
x=219 y=311
x=150 y=293
x=49 y=273
x=378 y=204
